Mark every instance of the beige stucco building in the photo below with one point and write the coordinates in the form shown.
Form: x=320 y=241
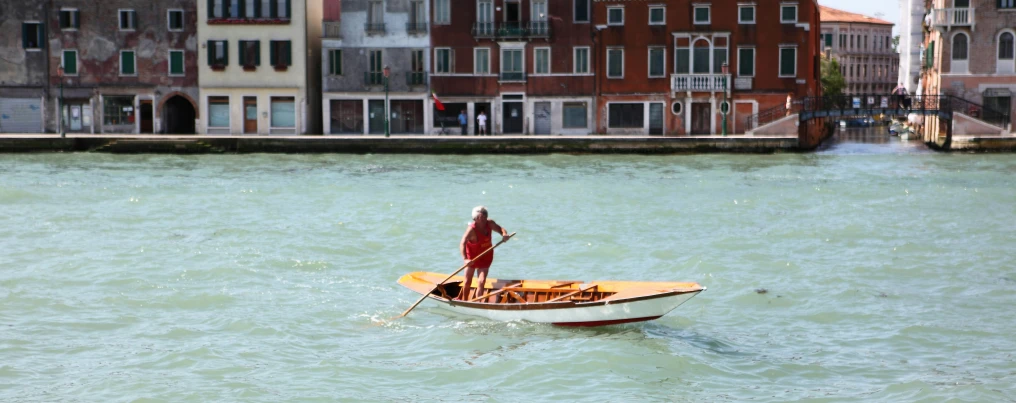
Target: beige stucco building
x=863 y=47
x=253 y=64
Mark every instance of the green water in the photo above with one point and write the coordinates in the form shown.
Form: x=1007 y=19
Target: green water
x=889 y=276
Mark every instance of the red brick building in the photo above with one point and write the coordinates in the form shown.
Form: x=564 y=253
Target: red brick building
x=527 y=65
x=659 y=64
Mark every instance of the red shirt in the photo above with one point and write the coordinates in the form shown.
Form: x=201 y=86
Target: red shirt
x=475 y=248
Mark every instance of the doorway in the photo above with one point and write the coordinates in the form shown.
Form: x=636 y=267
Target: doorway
x=541 y=116
x=75 y=117
x=376 y=111
x=511 y=115
x=655 y=118
x=250 y=115
x=178 y=113
x=146 y=116
x=700 y=118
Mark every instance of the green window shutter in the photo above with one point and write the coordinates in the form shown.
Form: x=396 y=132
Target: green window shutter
x=65 y=19
x=42 y=36
x=273 y=9
x=211 y=9
x=134 y=19
x=271 y=53
x=24 y=35
x=225 y=53
x=211 y=53
x=176 y=63
x=287 y=54
x=257 y=53
x=70 y=62
x=76 y=19
x=339 y=62
x=243 y=9
x=257 y=8
x=127 y=62
x=243 y=52
x=289 y=9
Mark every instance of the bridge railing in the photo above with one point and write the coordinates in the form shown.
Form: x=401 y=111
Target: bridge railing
x=897 y=106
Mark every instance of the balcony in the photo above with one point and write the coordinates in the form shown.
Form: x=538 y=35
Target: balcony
x=374 y=28
x=483 y=30
x=944 y=19
x=538 y=29
x=415 y=78
x=511 y=30
x=416 y=28
x=699 y=82
x=373 y=78
x=513 y=77
x=331 y=30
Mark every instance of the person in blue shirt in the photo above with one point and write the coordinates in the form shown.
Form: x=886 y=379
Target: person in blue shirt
x=463 y=121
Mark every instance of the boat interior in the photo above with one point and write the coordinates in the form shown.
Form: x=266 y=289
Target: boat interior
x=518 y=292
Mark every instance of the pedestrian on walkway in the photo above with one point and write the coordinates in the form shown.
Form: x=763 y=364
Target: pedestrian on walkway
x=464 y=122
x=482 y=121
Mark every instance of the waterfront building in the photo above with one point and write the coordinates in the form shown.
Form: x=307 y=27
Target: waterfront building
x=969 y=53
x=362 y=39
x=253 y=66
x=23 y=66
x=770 y=52
x=864 y=48
x=95 y=67
x=527 y=66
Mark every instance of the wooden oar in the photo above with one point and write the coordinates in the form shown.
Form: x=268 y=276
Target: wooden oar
x=453 y=275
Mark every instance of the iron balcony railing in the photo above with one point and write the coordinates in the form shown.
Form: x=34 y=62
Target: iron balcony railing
x=513 y=76
x=538 y=29
x=948 y=18
x=416 y=77
x=374 y=28
x=416 y=27
x=373 y=78
x=331 y=30
x=511 y=30
x=699 y=82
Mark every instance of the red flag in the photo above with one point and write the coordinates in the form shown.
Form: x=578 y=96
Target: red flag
x=437 y=102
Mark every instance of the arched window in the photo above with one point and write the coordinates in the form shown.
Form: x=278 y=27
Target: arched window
x=959 y=47
x=1005 y=46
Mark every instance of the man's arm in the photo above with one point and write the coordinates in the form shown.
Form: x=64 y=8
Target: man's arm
x=495 y=227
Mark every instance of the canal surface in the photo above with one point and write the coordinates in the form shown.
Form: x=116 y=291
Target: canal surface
x=862 y=272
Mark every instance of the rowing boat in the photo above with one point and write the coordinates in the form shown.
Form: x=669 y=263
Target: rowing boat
x=566 y=303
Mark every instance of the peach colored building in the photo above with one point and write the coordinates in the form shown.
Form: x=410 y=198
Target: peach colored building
x=863 y=47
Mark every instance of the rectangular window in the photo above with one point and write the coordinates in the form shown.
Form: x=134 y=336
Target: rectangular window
x=128 y=20
x=335 y=62
x=615 y=15
x=575 y=115
x=32 y=36
x=218 y=53
x=625 y=115
x=542 y=60
x=746 y=62
x=511 y=62
x=175 y=20
x=70 y=62
x=250 y=8
x=127 y=67
x=481 y=62
x=443 y=60
x=701 y=14
x=117 y=110
x=442 y=12
x=788 y=62
x=250 y=54
x=719 y=57
x=682 y=60
x=581 y=10
x=416 y=60
x=656 y=58
x=70 y=19
x=1004 y=4
x=280 y=53
x=375 y=13
x=218 y=112
x=176 y=63
x=828 y=40
x=657 y=15
x=788 y=14
x=283 y=112
x=615 y=63
x=746 y=14
x=375 y=72
x=581 y=62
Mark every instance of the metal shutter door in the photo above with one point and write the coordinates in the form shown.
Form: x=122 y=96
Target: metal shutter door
x=542 y=117
x=20 y=115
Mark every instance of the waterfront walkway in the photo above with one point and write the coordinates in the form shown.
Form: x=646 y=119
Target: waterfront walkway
x=425 y=144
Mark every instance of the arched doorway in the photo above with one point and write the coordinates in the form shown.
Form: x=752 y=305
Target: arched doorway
x=178 y=113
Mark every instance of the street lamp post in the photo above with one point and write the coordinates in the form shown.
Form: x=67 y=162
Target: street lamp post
x=388 y=71
x=724 y=111
x=60 y=105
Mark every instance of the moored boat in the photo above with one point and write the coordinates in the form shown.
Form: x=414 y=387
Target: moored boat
x=566 y=303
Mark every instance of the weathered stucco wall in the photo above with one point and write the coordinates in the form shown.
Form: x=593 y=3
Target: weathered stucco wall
x=20 y=67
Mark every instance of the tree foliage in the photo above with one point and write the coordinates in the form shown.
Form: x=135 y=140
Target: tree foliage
x=832 y=79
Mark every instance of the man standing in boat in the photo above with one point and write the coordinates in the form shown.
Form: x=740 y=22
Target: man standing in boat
x=475 y=241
